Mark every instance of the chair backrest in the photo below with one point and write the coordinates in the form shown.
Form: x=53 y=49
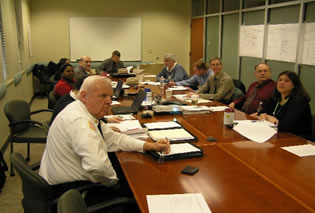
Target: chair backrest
x=37 y=192
x=236 y=94
x=71 y=202
x=51 y=100
x=17 y=110
x=239 y=84
x=313 y=126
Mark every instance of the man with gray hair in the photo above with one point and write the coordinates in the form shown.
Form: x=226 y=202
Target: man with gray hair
x=78 y=141
x=172 y=71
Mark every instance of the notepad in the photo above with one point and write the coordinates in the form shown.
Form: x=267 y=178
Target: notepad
x=171 y=134
x=162 y=125
x=129 y=127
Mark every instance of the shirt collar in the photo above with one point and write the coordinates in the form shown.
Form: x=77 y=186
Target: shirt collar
x=171 y=68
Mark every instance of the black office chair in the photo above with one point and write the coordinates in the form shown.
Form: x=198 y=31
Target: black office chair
x=236 y=94
x=22 y=128
x=73 y=202
x=51 y=100
x=239 y=84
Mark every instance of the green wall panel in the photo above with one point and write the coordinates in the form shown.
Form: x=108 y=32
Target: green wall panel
x=212 y=37
x=230 y=38
x=285 y=15
x=310 y=12
x=278 y=66
x=307 y=76
x=254 y=18
x=248 y=70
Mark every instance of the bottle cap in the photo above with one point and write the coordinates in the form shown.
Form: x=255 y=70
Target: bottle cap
x=229 y=110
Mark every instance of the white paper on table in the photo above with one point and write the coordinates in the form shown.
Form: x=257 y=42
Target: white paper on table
x=122 y=116
x=218 y=108
x=176 y=88
x=129 y=127
x=162 y=125
x=115 y=103
x=262 y=122
x=195 y=108
x=151 y=83
x=125 y=86
x=149 y=76
x=188 y=99
x=171 y=134
x=180 y=149
x=254 y=131
x=178 y=203
x=301 y=150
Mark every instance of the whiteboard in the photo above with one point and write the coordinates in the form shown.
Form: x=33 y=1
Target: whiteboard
x=282 y=42
x=251 y=40
x=98 y=37
x=308 y=56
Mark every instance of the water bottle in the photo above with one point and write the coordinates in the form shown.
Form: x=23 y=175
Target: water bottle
x=228 y=117
x=162 y=84
x=148 y=97
x=260 y=107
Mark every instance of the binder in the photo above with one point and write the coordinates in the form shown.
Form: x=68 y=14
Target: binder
x=178 y=152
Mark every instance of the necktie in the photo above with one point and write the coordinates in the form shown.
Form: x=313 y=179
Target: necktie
x=250 y=99
x=213 y=88
x=100 y=128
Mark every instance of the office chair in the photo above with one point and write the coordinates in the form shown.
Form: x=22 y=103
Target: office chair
x=22 y=128
x=51 y=100
x=72 y=202
x=236 y=94
x=239 y=84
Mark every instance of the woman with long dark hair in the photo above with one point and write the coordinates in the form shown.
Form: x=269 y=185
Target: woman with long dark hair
x=289 y=107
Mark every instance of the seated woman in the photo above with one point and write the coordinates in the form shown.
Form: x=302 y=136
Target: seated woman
x=64 y=85
x=289 y=106
x=61 y=62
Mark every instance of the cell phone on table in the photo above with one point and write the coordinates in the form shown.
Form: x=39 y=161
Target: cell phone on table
x=189 y=170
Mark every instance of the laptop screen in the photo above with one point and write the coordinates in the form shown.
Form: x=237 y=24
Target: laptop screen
x=118 y=88
x=136 y=104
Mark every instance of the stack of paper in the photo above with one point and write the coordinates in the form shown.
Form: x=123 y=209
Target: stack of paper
x=255 y=131
x=195 y=109
x=171 y=134
x=218 y=108
x=177 y=88
x=188 y=99
x=162 y=125
x=177 y=203
x=129 y=127
x=122 y=116
x=301 y=150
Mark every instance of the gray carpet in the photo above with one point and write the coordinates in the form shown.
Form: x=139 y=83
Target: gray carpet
x=11 y=196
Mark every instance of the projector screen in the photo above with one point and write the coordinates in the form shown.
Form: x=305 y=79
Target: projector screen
x=98 y=37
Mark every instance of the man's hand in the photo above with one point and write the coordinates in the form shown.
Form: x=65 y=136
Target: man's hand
x=171 y=83
x=232 y=105
x=162 y=145
x=190 y=94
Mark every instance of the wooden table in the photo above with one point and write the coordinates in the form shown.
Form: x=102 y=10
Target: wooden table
x=227 y=184
x=291 y=174
x=235 y=174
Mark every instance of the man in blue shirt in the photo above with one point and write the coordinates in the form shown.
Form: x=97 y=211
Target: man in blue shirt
x=172 y=71
x=202 y=73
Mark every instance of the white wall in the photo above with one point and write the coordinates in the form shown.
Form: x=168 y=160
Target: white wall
x=165 y=25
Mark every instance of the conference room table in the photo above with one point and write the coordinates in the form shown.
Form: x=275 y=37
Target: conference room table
x=235 y=174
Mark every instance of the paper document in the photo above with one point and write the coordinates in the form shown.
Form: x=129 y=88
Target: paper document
x=171 y=134
x=188 y=99
x=122 y=116
x=115 y=103
x=195 y=108
x=301 y=150
x=218 y=108
x=151 y=83
x=162 y=125
x=254 y=131
x=178 y=203
x=262 y=122
x=180 y=149
x=129 y=127
x=177 y=88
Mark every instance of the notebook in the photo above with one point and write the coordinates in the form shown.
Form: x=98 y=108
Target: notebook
x=179 y=151
x=136 y=104
x=117 y=90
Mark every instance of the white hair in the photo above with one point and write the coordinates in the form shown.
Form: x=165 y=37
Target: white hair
x=91 y=80
x=170 y=56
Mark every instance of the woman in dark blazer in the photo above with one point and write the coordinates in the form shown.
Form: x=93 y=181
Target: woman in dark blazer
x=289 y=106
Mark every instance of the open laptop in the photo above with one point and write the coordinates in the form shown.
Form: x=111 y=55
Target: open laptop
x=136 y=104
x=117 y=90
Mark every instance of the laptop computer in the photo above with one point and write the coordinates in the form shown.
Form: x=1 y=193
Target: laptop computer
x=117 y=90
x=136 y=104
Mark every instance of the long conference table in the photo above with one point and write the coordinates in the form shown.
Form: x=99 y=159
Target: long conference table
x=235 y=174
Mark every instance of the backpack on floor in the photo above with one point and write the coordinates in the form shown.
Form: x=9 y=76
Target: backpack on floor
x=3 y=169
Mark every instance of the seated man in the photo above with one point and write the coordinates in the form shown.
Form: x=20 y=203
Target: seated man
x=259 y=91
x=78 y=142
x=84 y=67
x=219 y=87
x=202 y=73
x=172 y=71
x=111 y=65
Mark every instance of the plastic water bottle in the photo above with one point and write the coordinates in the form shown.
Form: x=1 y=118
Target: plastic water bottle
x=148 y=97
x=260 y=107
x=162 y=84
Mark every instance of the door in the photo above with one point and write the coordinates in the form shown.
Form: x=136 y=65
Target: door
x=196 y=43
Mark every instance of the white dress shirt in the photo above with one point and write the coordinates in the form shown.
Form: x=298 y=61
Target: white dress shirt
x=77 y=151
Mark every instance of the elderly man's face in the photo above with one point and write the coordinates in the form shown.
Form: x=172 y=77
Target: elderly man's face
x=97 y=99
x=216 y=66
x=169 y=62
x=262 y=73
x=86 y=63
